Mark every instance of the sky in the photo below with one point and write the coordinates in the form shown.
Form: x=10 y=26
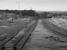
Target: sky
x=40 y=5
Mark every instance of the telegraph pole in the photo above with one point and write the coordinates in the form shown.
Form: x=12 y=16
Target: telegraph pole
x=19 y=6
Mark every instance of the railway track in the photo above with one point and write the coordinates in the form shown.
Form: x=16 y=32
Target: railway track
x=28 y=32
x=17 y=40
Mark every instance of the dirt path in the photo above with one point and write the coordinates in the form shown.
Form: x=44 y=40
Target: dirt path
x=38 y=39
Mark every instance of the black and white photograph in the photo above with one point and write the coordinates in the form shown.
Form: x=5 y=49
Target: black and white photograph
x=33 y=24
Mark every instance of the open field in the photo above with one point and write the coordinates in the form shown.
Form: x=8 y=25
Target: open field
x=32 y=32
x=24 y=35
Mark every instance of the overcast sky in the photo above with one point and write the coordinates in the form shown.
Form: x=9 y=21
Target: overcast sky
x=44 y=5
